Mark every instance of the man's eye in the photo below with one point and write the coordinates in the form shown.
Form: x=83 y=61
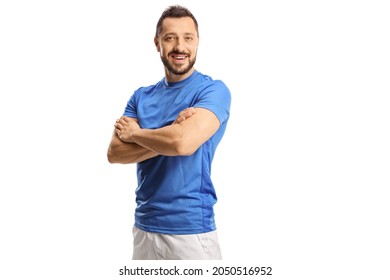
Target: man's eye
x=189 y=38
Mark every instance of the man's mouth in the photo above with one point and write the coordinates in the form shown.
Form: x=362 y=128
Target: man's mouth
x=179 y=56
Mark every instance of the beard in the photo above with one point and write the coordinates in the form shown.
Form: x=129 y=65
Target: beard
x=177 y=70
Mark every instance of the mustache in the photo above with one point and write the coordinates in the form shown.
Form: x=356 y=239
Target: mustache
x=178 y=53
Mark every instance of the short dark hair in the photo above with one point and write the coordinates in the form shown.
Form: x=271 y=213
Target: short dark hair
x=175 y=11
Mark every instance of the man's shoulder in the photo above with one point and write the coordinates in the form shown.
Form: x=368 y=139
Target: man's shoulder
x=210 y=79
x=149 y=88
x=207 y=81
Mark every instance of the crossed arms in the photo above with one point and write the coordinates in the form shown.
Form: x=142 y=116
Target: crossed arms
x=130 y=143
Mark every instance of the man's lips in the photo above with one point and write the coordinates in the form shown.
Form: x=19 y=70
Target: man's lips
x=179 y=57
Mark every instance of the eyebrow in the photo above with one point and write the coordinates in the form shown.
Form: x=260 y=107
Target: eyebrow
x=175 y=34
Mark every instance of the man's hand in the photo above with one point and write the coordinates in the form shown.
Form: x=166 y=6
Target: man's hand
x=185 y=114
x=124 y=128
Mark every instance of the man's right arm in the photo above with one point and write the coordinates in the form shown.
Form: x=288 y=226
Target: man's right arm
x=125 y=152
x=122 y=152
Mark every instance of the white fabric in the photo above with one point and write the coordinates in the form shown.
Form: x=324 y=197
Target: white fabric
x=157 y=246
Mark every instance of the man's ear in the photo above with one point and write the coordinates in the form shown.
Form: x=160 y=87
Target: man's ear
x=156 y=43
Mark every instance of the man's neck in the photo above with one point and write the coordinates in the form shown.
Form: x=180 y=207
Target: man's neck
x=173 y=78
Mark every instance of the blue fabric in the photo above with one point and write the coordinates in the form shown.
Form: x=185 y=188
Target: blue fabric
x=175 y=194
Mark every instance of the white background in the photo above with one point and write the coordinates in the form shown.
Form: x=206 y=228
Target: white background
x=302 y=174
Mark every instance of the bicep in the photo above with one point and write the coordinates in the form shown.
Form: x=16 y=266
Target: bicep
x=199 y=128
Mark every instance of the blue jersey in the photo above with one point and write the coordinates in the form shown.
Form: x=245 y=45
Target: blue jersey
x=175 y=194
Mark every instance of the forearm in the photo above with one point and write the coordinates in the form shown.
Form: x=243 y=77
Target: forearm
x=169 y=140
x=122 y=152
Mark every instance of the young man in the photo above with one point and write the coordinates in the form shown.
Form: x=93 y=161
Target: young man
x=171 y=130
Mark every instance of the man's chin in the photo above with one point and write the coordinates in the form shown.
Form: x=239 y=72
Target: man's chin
x=181 y=69
x=178 y=71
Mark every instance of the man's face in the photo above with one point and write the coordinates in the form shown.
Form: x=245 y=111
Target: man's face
x=177 y=44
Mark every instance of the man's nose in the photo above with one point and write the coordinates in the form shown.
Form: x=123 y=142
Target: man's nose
x=179 y=46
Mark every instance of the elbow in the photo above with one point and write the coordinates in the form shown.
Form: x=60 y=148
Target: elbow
x=182 y=147
x=184 y=150
x=113 y=156
x=110 y=159
x=110 y=156
x=116 y=155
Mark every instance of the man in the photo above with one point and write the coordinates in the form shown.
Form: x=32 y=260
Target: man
x=171 y=130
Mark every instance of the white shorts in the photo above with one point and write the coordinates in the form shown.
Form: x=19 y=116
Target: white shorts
x=157 y=246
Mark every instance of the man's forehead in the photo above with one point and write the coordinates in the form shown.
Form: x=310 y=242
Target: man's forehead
x=181 y=25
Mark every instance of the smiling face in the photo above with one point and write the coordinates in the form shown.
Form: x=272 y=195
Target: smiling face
x=177 y=44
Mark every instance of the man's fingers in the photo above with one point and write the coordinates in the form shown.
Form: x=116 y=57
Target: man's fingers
x=188 y=110
x=121 y=122
x=118 y=125
x=185 y=114
x=125 y=118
